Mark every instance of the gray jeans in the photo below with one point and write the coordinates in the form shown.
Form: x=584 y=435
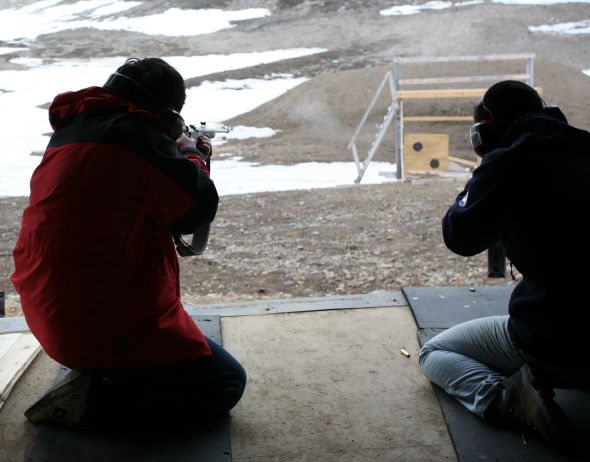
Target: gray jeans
x=470 y=360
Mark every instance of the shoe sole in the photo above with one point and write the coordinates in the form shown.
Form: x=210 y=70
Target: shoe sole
x=64 y=404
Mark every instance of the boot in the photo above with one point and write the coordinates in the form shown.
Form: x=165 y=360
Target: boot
x=65 y=402
x=523 y=404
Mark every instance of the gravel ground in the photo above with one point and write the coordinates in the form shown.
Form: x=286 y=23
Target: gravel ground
x=309 y=243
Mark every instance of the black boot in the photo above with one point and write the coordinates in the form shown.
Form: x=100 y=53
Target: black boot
x=522 y=404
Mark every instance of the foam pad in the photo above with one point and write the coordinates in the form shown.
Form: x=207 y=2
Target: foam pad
x=444 y=307
x=437 y=308
x=210 y=442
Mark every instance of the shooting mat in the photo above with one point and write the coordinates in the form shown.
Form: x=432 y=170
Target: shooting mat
x=438 y=308
x=212 y=444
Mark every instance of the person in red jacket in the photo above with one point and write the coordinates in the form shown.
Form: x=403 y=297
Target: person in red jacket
x=95 y=262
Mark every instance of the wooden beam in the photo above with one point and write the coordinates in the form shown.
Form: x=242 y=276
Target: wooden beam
x=426 y=174
x=459 y=160
x=438 y=119
x=6 y=341
x=446 y=93
x=450 y=59
x=462 y=79
x=15 y=361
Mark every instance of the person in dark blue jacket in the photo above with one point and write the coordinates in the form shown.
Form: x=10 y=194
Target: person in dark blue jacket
x=531 y=191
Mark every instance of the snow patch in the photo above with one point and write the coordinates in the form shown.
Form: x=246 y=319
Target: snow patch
x=242 y=132
x=8 y=50
x=402 y=10
x=50 y=16
x=538 y=2
x=176 y=22
x=194 y=66
x=234 y=176
x=219 y=101
x=113 y=8
x=564 y=28
x=24 y=91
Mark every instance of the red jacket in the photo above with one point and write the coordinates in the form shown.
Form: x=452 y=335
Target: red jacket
x=96 y=266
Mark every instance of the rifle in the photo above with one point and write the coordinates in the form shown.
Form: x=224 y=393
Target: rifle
x=195 y=132
x=496 y=260
x=200 y=235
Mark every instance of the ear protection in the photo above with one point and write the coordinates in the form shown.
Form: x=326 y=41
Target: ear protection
x=132 y=90
x=484 y=137
x=483 y=134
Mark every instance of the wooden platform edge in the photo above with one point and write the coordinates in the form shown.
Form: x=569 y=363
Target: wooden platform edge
x=13 y=324
x=259 y=307
x=15 y=361
x=298 y=305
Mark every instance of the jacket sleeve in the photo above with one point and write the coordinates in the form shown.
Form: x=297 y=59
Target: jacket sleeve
x=476 y=218
x=204 y=207
x=194 y=155
x=182 y=193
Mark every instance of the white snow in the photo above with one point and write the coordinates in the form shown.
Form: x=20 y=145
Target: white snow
x=211 y=101
x=113 y=8
x=565 y=28
x=219 y=101
x=234 y=176
x=194 y=66
x=177 y=22
x=27 y=91
x=413 y=9
x=7 y=50
x=49 y=16
x=242 y=132
x=23 y=91
x=538 y=2
x=402 y=10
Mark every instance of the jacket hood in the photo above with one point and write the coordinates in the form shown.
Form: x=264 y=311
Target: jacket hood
x=536 y=123
x=72 y=103
x=93 y=99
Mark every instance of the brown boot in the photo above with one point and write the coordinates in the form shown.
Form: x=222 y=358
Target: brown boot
x=526 y=406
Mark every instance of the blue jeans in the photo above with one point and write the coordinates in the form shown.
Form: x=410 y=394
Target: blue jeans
x=470 y=360
x=186 y=392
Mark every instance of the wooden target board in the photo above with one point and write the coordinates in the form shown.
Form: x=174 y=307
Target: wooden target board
x=426 y=152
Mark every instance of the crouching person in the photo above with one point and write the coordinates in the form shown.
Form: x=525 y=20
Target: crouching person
x=95 y=262
x=529 y=192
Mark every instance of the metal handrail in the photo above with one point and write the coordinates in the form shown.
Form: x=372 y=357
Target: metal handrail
x=388 y=77
x=395 y=110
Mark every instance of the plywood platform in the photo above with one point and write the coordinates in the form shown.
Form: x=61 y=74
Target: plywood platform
x=327 y=382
